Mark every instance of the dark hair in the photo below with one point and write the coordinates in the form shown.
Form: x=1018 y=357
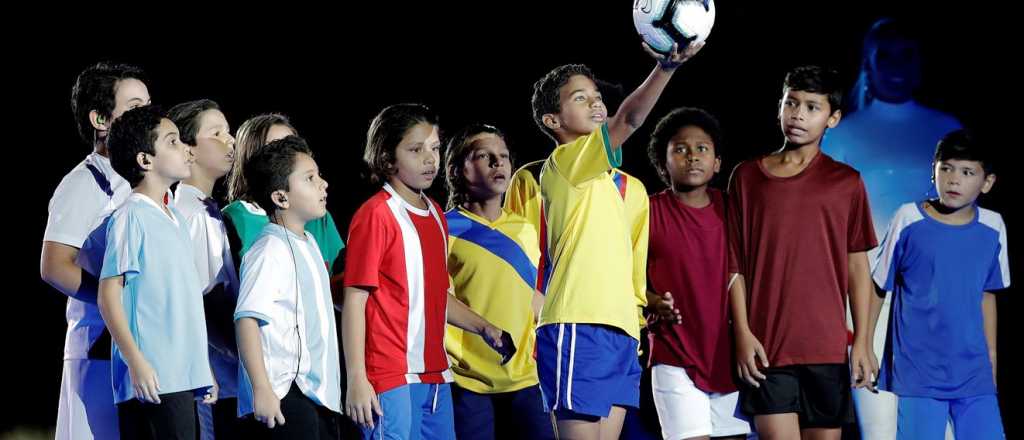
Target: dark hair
x=250 y=138
x=96 y=89
x=961 y=145
x=268 y=169
x=672 y=123
x=817 y=79
x=186 y=117
x=133 y=133
x=386 y=131
x=455 y=155
x=546 y=98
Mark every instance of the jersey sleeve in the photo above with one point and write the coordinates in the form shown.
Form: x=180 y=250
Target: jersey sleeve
x=586 y=158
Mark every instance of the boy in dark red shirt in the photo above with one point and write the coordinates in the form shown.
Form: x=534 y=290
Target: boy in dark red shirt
x=687 y=273
x=799 y=228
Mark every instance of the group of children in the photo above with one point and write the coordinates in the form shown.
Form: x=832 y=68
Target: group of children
x=517 y=312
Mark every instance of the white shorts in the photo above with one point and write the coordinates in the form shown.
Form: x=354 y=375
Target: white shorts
x=685 y=411
x=86 y=409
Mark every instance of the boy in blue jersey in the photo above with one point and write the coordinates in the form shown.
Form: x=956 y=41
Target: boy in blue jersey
x=149 y=292
x=942 y=258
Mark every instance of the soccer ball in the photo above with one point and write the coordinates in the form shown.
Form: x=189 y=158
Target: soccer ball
x=664 y=22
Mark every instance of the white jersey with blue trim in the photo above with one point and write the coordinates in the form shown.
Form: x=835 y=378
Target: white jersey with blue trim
x=78 y=209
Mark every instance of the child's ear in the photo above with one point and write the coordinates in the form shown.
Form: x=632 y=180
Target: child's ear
x=718 y=165
x=279 y=198
x=143 y=161
x=990 y=179
x=98 y=121
x=551 y=121
x=833 y=120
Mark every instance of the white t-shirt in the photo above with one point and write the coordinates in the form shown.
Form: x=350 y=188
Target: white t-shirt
x=79 y=207
x=297 y=327
x=215 y=265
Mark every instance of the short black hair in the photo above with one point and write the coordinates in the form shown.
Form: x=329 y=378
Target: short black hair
x=672 y=123
x=133 y=133
x=546 y=98
x=455 y=156
x=96 y=89
x=961 y=145
x=386 y=131
x=186 y=117
x=817 y=79
x=268 y=170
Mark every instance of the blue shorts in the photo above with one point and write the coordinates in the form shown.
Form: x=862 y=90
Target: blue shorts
x=414 y=411
x=973 y=418
x=585 y=369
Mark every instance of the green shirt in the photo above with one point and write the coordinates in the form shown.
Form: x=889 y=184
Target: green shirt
x=245 y=220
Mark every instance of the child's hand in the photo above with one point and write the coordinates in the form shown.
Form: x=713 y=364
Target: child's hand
x=267 y=407
x=211 y=394
x=361 y=402
x=864 y=366
x=664 y=308
x=144 y=380
x=748 y=351
x=675 y=58
x=492 y=335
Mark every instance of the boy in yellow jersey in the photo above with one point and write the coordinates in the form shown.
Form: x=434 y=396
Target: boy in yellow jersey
x=594 y=239
x=493 y=264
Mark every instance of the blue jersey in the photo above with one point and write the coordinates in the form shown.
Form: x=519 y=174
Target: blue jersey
x=162 y=298
x=938 y=274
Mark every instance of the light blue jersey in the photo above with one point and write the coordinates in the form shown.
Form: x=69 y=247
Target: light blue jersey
x=286 y=289
x=162 y=298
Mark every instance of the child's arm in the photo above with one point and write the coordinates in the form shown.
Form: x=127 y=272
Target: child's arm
x=874 y=310
x=638 y=105
x=861 y=288
x=266 y=405
x=748 y=348
x=537 y=304
x=461 y=316
x=360 y=399
x=143 y=377
x=58 y=267
x=988 y=312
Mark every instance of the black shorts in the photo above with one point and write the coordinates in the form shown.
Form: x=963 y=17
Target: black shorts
x=173 y=418
x=819 y=394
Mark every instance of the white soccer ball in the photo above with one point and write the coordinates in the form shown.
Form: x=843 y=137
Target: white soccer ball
x=662 y=23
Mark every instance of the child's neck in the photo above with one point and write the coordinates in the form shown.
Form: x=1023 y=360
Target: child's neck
x=412 y=197
x=692 y=196
x=100 y=147
x=489 y=209
x=201 y=180
x=950 y=216
x=155 y=188
x=288 y=220
x=798 y=154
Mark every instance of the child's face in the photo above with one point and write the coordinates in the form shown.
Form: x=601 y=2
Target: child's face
x=487 y=168
x=129 y=93
x=582 y=107
x=307 y=193
x=278 y=131
x=691 y=159
x=417 y=156
x=215 y=147
x=172 y=158
x=960 y=182
x=804 y=116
